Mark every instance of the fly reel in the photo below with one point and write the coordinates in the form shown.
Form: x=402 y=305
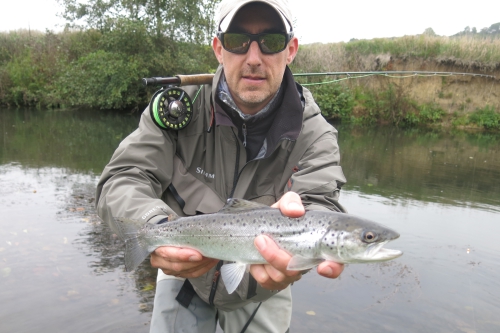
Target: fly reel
x=171 y=108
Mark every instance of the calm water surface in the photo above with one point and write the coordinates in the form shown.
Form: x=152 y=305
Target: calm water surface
x=62 y=270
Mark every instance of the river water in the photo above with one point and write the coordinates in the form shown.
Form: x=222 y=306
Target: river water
x=62 y=270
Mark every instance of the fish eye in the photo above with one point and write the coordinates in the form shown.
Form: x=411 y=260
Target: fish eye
x=369 y=237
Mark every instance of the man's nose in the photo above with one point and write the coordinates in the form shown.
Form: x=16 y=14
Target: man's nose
x=254 y=55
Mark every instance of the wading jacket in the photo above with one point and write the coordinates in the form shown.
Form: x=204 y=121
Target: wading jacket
x=196 y=169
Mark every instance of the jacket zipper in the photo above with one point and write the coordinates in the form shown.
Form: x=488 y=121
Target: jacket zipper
x=244 y=129
x=215 y=282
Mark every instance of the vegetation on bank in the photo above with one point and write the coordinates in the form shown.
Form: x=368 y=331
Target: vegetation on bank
x=100 y=65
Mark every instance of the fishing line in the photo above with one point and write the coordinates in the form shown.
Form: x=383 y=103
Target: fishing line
x=391 y=74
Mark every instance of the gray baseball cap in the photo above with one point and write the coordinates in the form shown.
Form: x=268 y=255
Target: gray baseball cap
x=228 y=8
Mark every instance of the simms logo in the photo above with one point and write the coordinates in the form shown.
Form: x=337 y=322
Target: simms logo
x=204 y=173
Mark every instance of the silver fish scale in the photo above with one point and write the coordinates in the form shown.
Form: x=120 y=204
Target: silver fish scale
x=230 y=236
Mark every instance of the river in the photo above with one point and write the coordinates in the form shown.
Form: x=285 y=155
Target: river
x=62 y=270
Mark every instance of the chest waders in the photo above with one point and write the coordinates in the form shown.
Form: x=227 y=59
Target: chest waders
x=186 y=293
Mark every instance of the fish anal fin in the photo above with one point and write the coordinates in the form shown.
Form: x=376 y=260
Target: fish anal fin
x=234 y=205
x=232 y=274
x=299 y=263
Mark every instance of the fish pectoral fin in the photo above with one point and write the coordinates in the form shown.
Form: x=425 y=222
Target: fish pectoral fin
x=299 y=263
x=232 y=274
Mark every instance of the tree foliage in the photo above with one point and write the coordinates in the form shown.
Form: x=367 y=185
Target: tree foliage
x=180 y=20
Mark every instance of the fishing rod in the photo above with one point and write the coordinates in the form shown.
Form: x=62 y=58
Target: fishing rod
x=199 y=79
x=172 y=108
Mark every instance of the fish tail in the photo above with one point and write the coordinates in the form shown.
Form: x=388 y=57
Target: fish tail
x=135 y=253
x=135 y=249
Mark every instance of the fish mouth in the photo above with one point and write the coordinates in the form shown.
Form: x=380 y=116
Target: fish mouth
x=377 y=252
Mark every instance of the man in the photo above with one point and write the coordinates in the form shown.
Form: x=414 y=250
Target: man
x=255 y=134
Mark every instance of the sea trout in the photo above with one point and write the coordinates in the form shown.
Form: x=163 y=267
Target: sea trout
x=229 y=235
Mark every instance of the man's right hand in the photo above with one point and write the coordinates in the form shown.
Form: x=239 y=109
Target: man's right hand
x=181 y=262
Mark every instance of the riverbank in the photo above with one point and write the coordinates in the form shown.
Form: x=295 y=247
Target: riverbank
x=461 y=101
x=103 y=70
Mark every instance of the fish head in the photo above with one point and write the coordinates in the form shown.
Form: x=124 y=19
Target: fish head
x=358 y=240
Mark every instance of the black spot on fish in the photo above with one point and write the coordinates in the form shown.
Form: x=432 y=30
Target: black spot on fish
x=262 y=231
x=244 y=224
x=224 y=223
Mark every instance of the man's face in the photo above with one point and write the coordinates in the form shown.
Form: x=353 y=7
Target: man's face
x=254 y=78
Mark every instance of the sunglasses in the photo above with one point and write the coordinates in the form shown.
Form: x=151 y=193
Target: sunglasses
x=269 y=43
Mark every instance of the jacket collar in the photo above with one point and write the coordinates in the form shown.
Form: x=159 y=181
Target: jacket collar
x=287 y=122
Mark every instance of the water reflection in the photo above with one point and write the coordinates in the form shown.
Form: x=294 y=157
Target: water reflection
x=445 y=167
x=440 y=190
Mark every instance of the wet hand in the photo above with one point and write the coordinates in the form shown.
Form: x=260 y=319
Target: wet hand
x=181 y=262
x=274 y=275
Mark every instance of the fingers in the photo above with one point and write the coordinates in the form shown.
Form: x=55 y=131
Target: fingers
x=273 y=276
x=290 y=205
x=330 y=269
x=181 y=262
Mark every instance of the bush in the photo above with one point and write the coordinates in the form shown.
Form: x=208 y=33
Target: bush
x=334 y=100
x=486 y=117
x=104 y=80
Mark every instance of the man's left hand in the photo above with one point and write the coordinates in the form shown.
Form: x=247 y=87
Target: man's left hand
x=274 y=275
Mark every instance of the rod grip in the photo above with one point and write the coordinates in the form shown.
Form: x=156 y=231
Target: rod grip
x=196 y=80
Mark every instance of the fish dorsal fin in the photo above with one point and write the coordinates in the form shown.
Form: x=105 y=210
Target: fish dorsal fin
x=299 y=263
x=240 y=205
x=232 y=274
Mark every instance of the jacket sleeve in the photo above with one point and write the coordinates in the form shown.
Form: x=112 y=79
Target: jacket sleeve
x=140 y=170
x=319 y=176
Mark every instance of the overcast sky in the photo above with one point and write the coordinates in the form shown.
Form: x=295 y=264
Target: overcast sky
x=318 y=20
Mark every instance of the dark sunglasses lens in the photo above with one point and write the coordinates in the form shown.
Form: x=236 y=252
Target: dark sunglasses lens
x=272 y=43
x=268 y=43
x=236 y=43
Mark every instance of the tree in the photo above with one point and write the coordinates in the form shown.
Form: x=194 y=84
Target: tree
x=181 y=20
x=429 y=32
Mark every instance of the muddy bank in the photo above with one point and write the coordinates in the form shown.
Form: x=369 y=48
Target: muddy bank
x=456 y=94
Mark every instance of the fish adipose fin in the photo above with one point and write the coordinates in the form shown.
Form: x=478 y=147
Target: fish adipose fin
x=135 y=252
x=240 y=205
x=299 y=263
x=232 y=274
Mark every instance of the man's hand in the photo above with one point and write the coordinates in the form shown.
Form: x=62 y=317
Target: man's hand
x=181 y=262
x=275 y=276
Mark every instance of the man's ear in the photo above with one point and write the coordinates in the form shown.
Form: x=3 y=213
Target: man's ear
x=217 y=47
x=293 y=48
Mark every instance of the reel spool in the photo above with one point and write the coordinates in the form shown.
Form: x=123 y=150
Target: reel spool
x=171 y=108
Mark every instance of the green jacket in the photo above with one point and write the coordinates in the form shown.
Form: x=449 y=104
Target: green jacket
x=195 y=170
